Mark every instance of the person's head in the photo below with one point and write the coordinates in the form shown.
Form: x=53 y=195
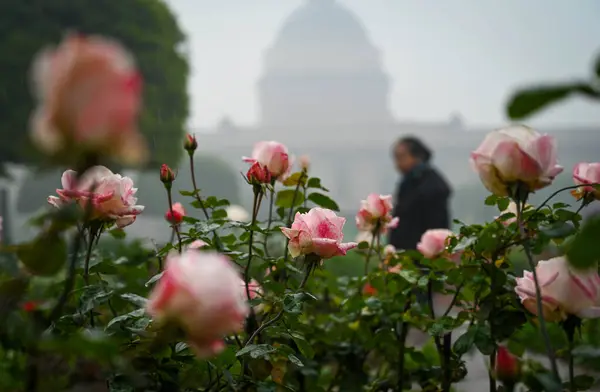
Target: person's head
x=410 y=152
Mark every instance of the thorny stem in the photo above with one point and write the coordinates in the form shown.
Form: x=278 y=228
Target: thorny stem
x=402 y=332
x=279 y=315
x=270 y=218
x=370 y=252
x=174 y=225
x=538 y=293
x=557 y=192
x=86 y=270
x=255 y=208
x=217 y=239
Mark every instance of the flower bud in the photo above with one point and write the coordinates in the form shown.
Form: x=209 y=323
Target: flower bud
x=258 y=174
x=369 y=290
x=190 y=144
x=175 y=214
x=167 y=176
x=304 y=162
x=507 y=366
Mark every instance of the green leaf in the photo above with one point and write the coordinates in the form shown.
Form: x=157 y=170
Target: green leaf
x=315 y=182
x=584 y=251
x=491 y=200
x=526 y=102
x=289 y=198
x=323 y=201
x=465 y=341
x=294 y=359
x=294 y=179
x=135 y=299
x=503 y=203
x=93 y=296
x=179 y=347
x=219 y=214
x=154 y=278
x=256 y=350
x=45 y=256
x=125 y=317
x=303 y=345
x=187 y=193
x=558 y=230
x=117 y=233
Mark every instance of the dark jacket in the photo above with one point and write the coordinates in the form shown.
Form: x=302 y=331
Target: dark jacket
x=421 y=203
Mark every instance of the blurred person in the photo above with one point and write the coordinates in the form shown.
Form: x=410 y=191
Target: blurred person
x=421 y=203
x=422 y=196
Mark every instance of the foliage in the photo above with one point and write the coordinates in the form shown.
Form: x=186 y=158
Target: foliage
x=85 y=320
x=530 y=100
x=146 y=27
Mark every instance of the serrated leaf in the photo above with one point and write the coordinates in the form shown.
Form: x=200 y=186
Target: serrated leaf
x=295 y=360
x=323 y=201
x=315 y=182
x=124 y=317
x=463 y=344
x=256 y=350
x=289 y=198
x=135 y=299
x=154 y=278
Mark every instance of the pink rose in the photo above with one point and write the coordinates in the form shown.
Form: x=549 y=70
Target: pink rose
x=88 y=91
x=319 y=231
x=274 y=156
x=112 y=196
x=516 y=154
x=564 y=290
x=197 y=244
x=200 y=291
x=586 y=174
x=258 y=174
x=376 y=212
x=433 y=242
x=304 y=162
x=175 y=214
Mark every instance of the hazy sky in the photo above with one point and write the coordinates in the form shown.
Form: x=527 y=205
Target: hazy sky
x=444 y=56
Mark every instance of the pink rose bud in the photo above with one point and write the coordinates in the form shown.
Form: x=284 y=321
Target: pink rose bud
x=507 y=366
x=434 y=242
x=376 y=214
x=319 y=232
x=197 y=244
x=389 y=250
x=258 y=174
x=112 y=196
x=564 y=290
x=516 y=154
x=304 y=162
x=201 y=292
x=88 y=92
x=175 y=214
x=586 y=174
x=190 y=144
x=274 y=156
x=167 y=176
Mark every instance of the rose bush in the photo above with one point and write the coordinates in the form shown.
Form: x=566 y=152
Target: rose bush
x=223 y=307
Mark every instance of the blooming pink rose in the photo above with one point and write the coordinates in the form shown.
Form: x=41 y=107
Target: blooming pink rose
x=175 y=214
x=318 y=231
x=112 y=196
x=274 y=156
x=197 y=244
x=258 y=174
x=516 y=154
x=564 y=290
x=433 y=242
x=376 y=212
x=586 y=174
x=88 y=90
x=200 y=291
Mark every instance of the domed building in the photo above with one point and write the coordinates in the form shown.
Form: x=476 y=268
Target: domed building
x=323 y=70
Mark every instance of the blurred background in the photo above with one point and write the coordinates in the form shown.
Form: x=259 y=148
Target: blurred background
x=337 y=80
